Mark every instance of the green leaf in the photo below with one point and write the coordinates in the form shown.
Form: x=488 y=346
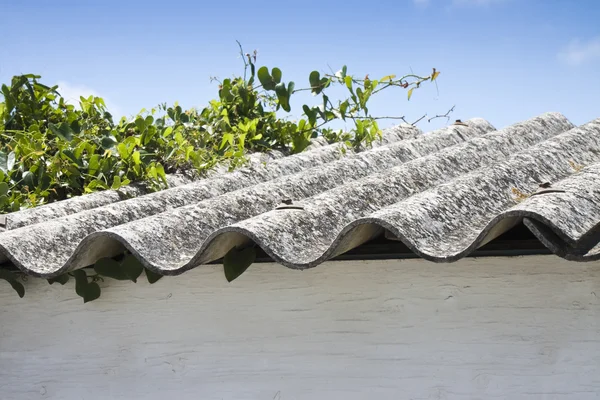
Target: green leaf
x=301 y=125
x=227 y=138
x=283 y=96
x=241 y=142
x=152 y=276
x=94 y=164
x=276 y=73
x=116 y=182
x=89 y=291
x=410 y=91
x=12 y=280
x=136 y=157
x=80 y=281
x=132 y=266
x=252 y=74
x=360 y=95
x=62 y=279
x=122 y=149
x=108 y=142
x=324 y=113
x=71 y=156
x=343 y=108
x=110 y=268
x=314 y=78
x=348 y=80
x=434 y=75
x=28 y=180
x=388 y=78
x=237 y=261
x=3 y=188
x=140 y=123
x=75 y=127
x=63 y=131
x=315 y=82
x=311 y=114
x=265 y=78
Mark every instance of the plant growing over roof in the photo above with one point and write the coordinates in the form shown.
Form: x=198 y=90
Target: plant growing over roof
x=51 y=150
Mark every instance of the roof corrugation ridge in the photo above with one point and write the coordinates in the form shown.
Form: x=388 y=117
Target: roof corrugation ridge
x=58 y=238
x=91 y=201
x=302 y=239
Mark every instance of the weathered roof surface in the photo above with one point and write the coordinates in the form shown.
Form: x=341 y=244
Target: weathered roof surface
x=444 y=194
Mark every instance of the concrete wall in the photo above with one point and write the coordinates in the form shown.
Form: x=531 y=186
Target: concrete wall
x=488 y=328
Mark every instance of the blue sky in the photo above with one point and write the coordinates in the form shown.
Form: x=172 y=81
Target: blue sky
x=504 y=60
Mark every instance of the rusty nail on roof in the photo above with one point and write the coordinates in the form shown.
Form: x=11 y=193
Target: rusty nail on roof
x=546 y=187
x=287 y=204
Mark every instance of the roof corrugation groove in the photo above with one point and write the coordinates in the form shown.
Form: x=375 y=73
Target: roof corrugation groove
x=443 y=194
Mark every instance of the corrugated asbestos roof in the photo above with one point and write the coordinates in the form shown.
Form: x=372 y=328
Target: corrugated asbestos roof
x=443 y=193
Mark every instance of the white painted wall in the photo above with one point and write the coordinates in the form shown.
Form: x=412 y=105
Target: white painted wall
x=489 y=328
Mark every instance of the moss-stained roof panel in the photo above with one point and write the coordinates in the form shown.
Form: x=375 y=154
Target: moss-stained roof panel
x=444 y=194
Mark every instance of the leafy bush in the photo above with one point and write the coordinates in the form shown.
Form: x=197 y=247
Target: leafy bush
x=51 y=150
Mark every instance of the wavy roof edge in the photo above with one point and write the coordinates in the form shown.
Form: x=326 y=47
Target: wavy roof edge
x=443 y=194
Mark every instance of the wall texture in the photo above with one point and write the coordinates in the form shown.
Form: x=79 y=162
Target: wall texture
x=517 y=328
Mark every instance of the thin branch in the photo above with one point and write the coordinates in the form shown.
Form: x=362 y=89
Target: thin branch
x=243 y=58
x=387 y=85
x=403 y=118
x=303 y=89
x=395 y=82
x=414 y=123
x=447 y=115
x=400 y=118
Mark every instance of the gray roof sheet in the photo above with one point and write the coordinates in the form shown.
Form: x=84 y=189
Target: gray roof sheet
x=443 y=193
